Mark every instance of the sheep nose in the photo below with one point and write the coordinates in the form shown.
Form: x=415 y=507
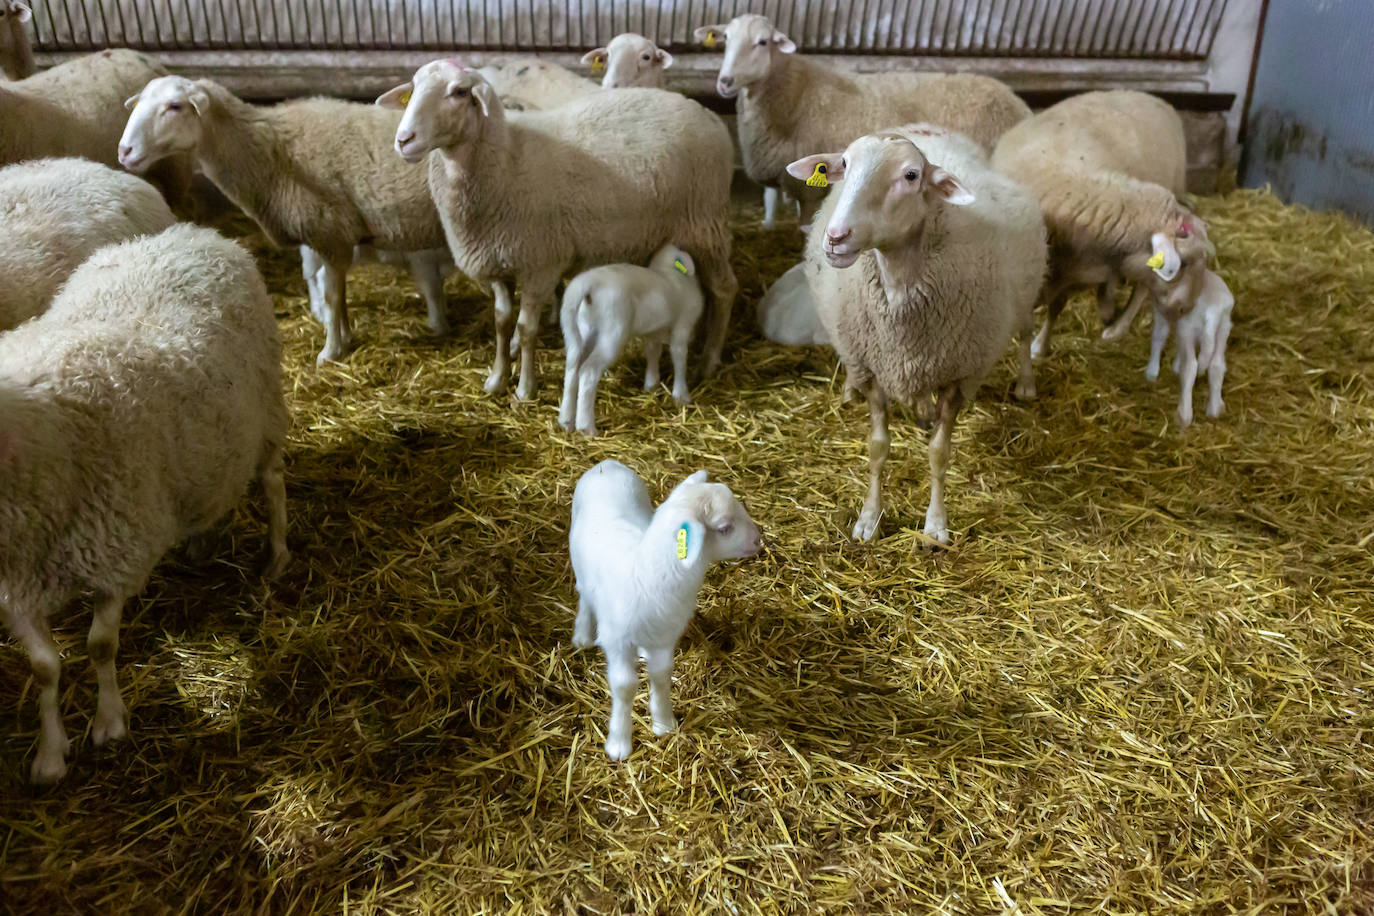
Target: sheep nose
x=836 y=236
x=125 y=150
x=403 y=139
x=725 y=82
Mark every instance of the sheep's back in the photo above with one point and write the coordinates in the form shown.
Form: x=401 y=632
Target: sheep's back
x=980 y=107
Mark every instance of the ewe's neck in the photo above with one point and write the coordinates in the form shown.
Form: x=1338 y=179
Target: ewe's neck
x=494 y=146
x=238 y=149
x=906 y=267
x=795 y=88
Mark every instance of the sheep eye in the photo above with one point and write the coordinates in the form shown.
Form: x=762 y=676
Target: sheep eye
x=911 y=175
x=460 y=93
x=725 y=529
x=647 y=56
x=174 y=106
x=761 y=42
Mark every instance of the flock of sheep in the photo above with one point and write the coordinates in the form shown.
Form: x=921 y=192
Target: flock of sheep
x=140 y=388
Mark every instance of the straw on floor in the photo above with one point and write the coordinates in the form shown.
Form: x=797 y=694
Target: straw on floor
x=1140 y=681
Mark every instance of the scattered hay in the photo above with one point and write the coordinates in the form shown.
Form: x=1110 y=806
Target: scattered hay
x=1139 y=682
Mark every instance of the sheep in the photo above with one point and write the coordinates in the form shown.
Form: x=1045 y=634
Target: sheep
x=312 y=172
x=1106 y=168
x=16 y=54
x=133 y=414
x=427 y=270
x=53 y=214
x=629 y=61
x=605 y=306
x=928 y=262
x=529 y=83
x=637 y=572
x=787 y=311
x=791 y=105
x=630 y=171
x=1197 y=304
x=70 y=110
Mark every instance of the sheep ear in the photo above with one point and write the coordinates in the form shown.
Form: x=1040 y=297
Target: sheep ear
x=22 y=11
x=697 y=477
x=818 y=171
x=486 y=97
x=397 y=98
x=691 y=537
x=665 y=58
x=710 y=36
x=199 y=99
x=1164 y=259
x=595 y=59
x=784 y=44
x=943 y=184
x=132 y=101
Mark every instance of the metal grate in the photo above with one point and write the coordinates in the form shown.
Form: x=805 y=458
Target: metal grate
x=1138 y=29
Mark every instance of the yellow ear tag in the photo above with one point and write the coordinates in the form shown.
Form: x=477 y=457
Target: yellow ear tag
x=682 y=269
x=818 y=179
x=1156 y=260
x=682 y=542
x=598 y=65
x=710 y=40
x=405 y=98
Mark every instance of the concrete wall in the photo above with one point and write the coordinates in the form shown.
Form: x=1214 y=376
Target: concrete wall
x=1311 y=127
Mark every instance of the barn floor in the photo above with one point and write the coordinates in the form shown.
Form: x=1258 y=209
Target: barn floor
x=1139 y=682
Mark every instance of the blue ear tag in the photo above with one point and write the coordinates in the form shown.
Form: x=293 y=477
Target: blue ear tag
x=682 y=542
x=682 y=268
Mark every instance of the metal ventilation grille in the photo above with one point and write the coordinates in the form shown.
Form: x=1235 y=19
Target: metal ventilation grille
x=1141 y=29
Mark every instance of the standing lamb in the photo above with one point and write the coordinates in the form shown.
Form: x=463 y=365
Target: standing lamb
x=638 y=571
x=928 y=263
x=1106 y=168
x=629 y=61
x=791 y=105
x=16 y=54
x=603 y=179
x=312 y=173
x=133 y=414
x=605 y=306
x=53 y=214
x=73 y=109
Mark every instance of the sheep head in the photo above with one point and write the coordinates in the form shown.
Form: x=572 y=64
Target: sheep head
x=750 y=45
x=164 y=119
x=445 y=105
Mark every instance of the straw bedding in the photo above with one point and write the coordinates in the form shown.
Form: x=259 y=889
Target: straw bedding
x=1138 y=682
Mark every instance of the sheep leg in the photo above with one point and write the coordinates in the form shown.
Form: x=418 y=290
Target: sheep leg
x=1185 y=348
x=719 y=279
x=653 y=352
x=429 y=280
x=111 y=718
x=589 y=376
x=572 y=358
x=1041 y=345
x=505 y=312
x=273 y=480
x=312 y=266
x=1106 y=299
x=584 y=627
x=1159 y=335
x=622 y=673
x=677 y=349
x=50 y=764
x=939 y=449
x=337 y=336
x=878 y=442
x=533 y=299
x=1216 y=369
x=1122 y=325
x=770 y=208
x=1025 y=384
x=660 y=665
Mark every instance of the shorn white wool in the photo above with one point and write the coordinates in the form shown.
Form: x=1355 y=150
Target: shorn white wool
x=638 y=570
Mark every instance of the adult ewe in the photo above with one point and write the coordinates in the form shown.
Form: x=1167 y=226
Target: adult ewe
x=1106 y=168
x=923 y=264
x=791 y=105
x=603 y=179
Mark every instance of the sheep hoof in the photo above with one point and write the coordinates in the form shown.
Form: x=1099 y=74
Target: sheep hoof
x=1025 y=392
x=711 y=368
x=666 y=727
x=768 y=225
x=328 y=355
x=938 y=532
x=582 y=641
x=496 y=381
x=275 y=563
x=440 y=328
x=1039 y=349
x=589 y=431
x=110 y=725
x=1216 y=408
x=683 y=398
x=618 y=748
x=866 y=527
x=49 y=766
x=650 y=385
x=1151 y=373
x=524 y=391
x=1184 y=417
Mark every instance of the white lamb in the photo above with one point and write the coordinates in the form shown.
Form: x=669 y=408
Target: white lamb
x=313 y=173
x=629 y=61
x=638 y=571
x=16 y=54
x=787 y=311
x=606 y=178
x=603 y=308
x=133 y=414
x=791 y=105
x=53 y=214
x=929 y=261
